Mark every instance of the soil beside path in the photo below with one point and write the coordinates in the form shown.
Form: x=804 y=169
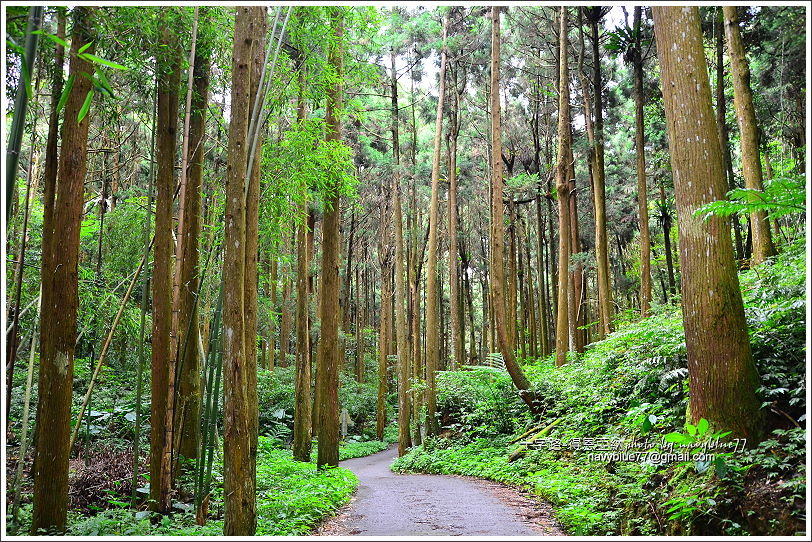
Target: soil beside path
x=427 y=504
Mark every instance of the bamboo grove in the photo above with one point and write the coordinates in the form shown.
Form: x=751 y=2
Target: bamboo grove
x=199 y=196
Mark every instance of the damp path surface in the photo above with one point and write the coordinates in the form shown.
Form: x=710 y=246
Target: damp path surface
x=390 y=504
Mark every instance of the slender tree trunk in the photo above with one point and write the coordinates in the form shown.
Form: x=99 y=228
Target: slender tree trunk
x=721 y=373
x=563 y=190
x=287 y=314
x=497 y=225
x=665 y=222
x=383 y=334
x=763 y=247
x=162 y=375
x=187 y=420
x=401 y=329
x=271 y=331
x=60 y=297
x=328 y=355
x=432 y=317
x=721 y=121
x=303 y=411
x=457 y=335
x=642 y=189
x=598 y=178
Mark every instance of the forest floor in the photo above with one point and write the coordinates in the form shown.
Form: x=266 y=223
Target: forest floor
x=387 y=503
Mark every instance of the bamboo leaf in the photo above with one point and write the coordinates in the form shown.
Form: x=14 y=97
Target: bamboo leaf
x=53 y=38
x=103 y=61
x=85 y=106
x=83 y=47
x=65 y=93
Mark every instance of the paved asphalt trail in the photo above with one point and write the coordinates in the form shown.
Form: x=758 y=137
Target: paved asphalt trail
x=427 y=504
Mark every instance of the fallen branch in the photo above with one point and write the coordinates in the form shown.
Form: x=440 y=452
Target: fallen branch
x=522 y=449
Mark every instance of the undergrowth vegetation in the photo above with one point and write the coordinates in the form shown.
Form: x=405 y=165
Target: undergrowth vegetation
x=629 y=393
x=292 y=497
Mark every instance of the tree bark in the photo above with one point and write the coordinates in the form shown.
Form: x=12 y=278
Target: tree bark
x=303 y=411
x=187 y=420
x=563 y=191
x=328 y=355
x=763 y=247
x=60 y=287
x=401 y=329
x=721 y=373
x=239 y=277
x=162 y=369
x=599 y=186
x=721 y=121
x=497 y=226
x=642 y=189
x=432 y=317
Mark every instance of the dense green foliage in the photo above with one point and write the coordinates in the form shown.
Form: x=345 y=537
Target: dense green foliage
x=633 y=385
x=292 y=497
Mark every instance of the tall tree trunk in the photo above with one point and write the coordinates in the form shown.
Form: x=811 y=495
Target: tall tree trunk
x=721 y=373
x=187 y=417
x=563 y=191
x=401 y=329
x=385 y=260
x=432 y=318
x=239 y=277
x=642 y=189
x=763 y=247
x=287 y=314
x=60 y=297
x=347 y=295
x=457 y=335
x=328 y=354
x=721 y=122
x=599 y=185
x=162 y=375
x=303 y=411
x=272 y=343
x=498 y=228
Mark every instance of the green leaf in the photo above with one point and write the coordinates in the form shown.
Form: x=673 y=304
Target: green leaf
x=85 y=106
x=702 y=426
x=105 y=62
x=83 y=47
x=14 y=47
x=677 y=438
x=65 y=93
x=691 y=429
x=55 y=39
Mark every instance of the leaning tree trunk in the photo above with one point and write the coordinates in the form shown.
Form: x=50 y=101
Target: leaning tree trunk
x=498 y=227
x=60 y=288
x=763 y=246
x=721 y=373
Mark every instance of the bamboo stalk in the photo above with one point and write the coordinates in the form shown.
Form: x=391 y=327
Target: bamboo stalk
x=15 y=513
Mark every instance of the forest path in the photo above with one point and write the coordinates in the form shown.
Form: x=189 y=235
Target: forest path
x=426 y=504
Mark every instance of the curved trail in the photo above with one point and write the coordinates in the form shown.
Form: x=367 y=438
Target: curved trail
x=426 y=504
